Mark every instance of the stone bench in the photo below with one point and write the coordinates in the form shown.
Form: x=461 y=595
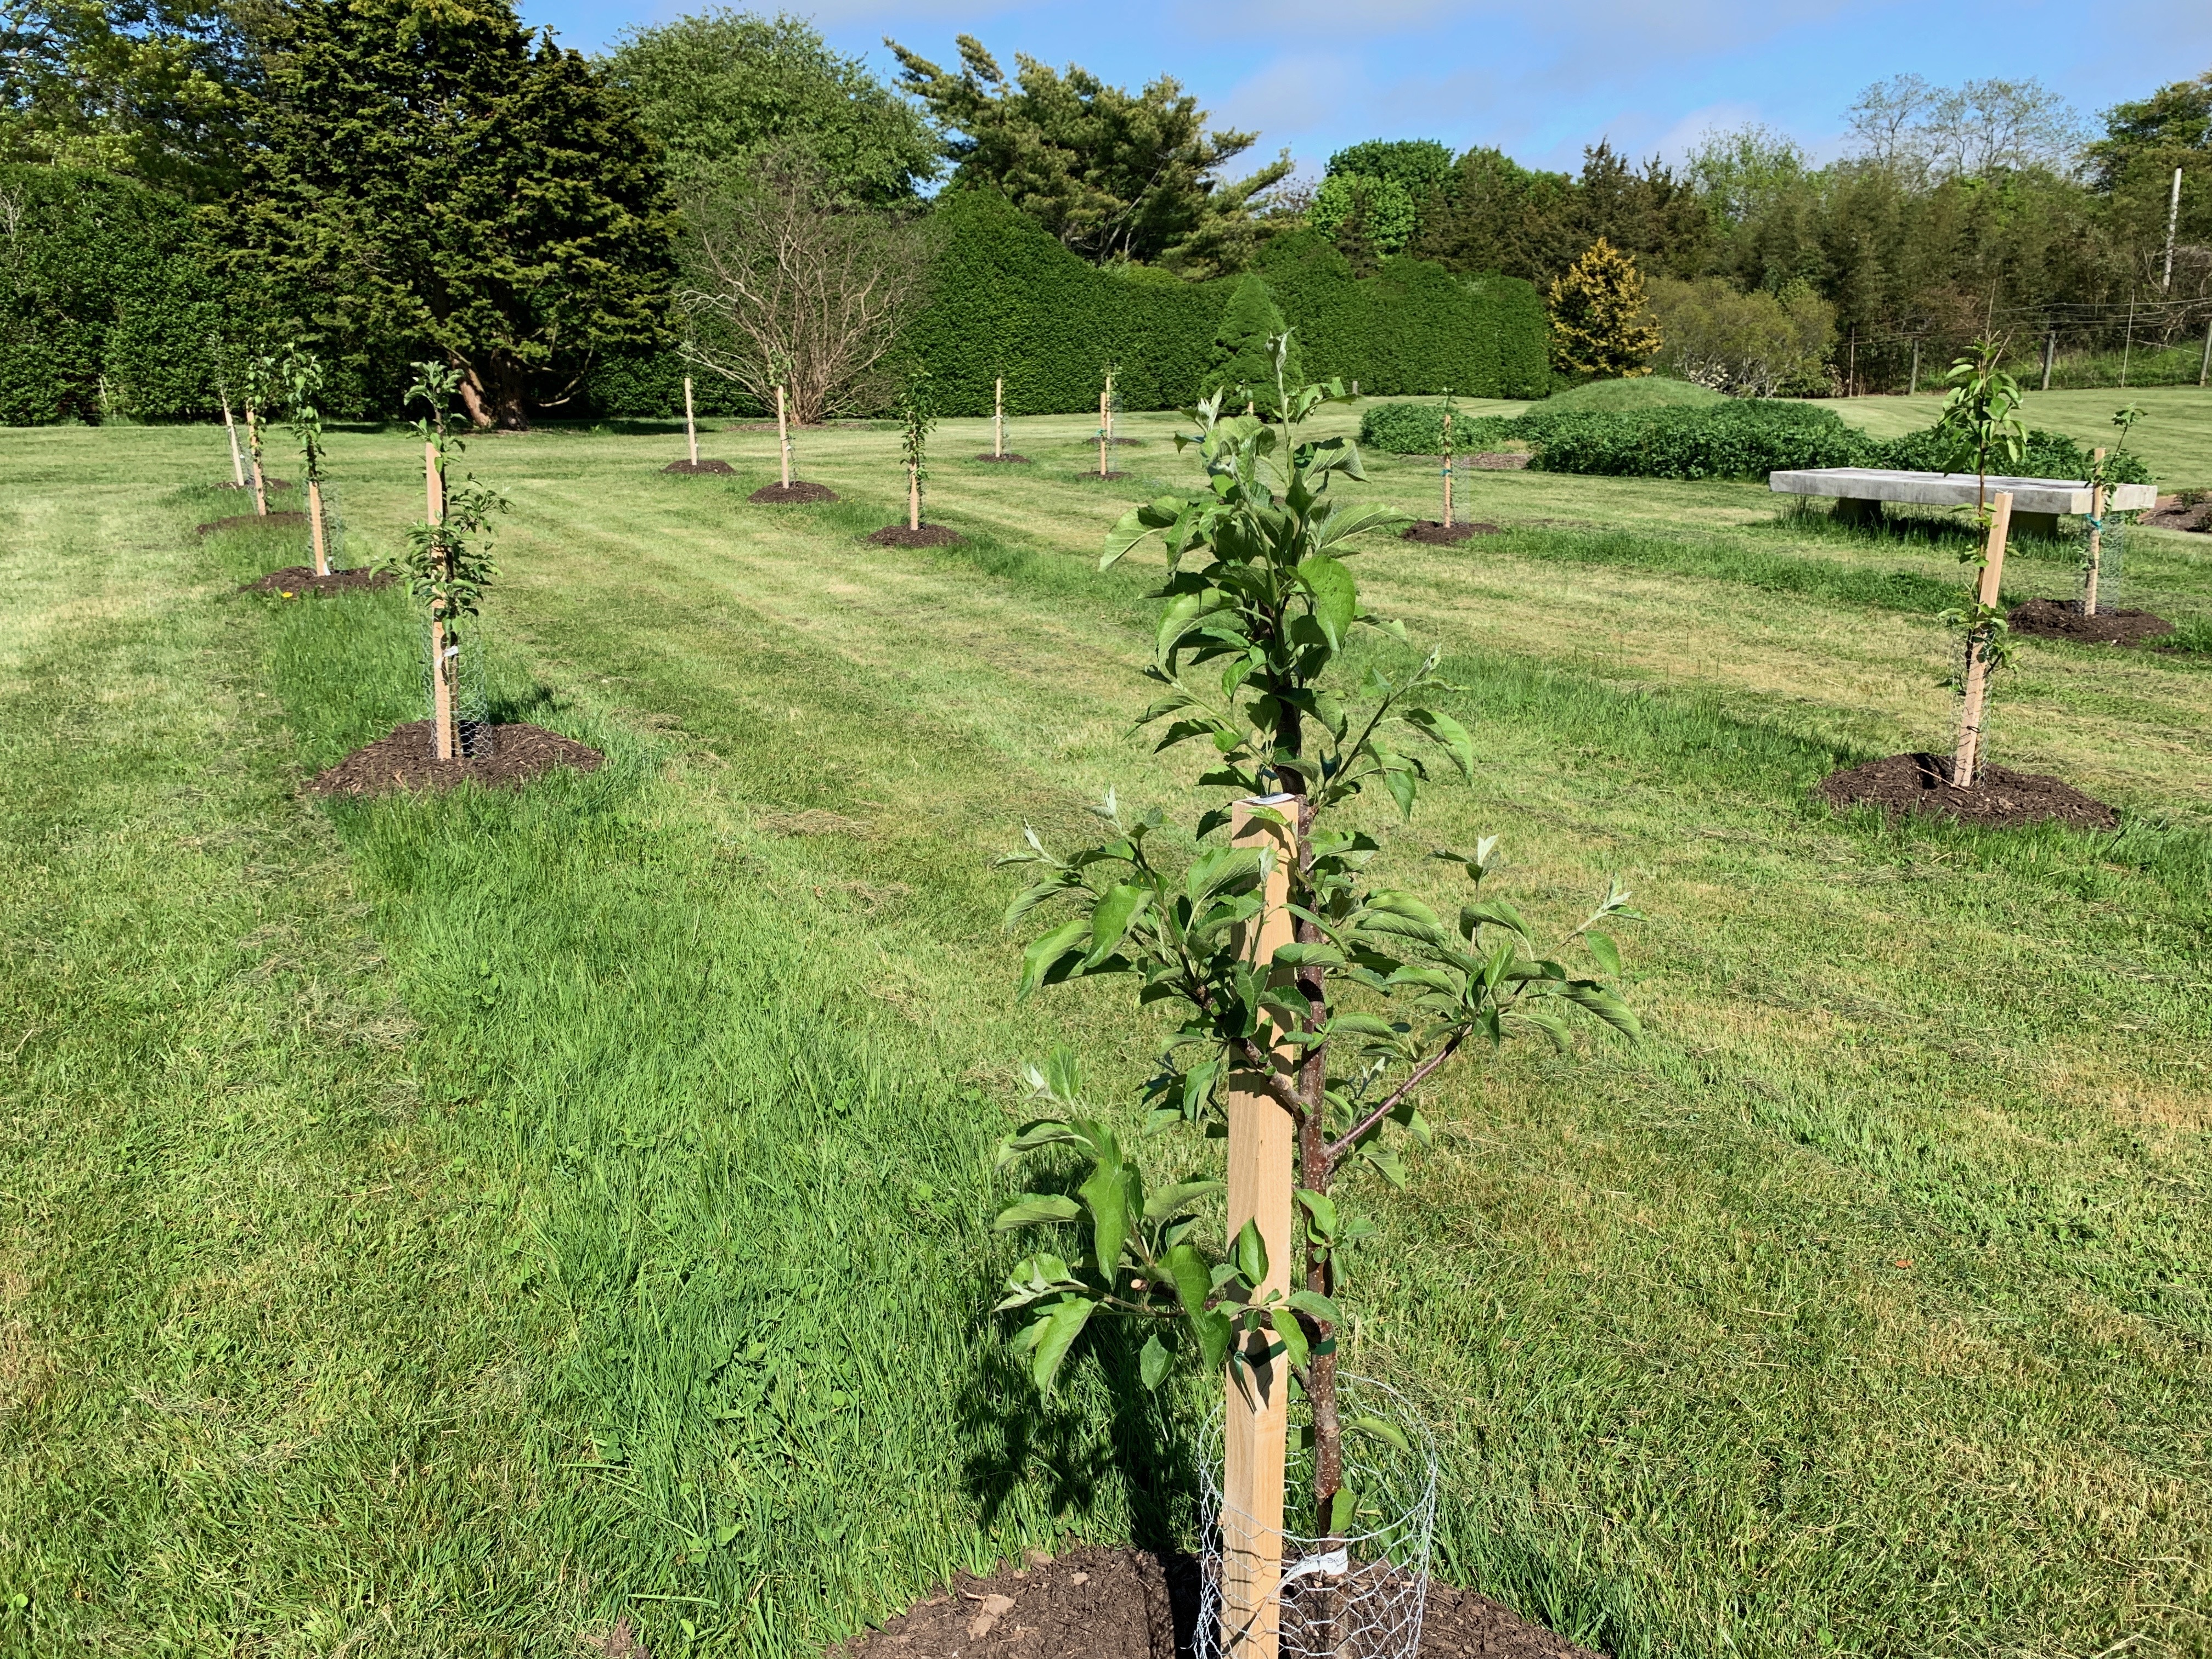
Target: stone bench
x=2038 y=504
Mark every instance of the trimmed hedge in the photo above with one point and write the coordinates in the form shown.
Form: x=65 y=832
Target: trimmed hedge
x=1739 y=438
x=107 y=306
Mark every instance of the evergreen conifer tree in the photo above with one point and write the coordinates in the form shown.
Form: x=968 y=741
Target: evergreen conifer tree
x=425 y=178
x=1600 y=324
x=1240 y=357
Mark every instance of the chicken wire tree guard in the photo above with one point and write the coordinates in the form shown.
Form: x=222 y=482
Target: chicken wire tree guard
x=1313 y=1003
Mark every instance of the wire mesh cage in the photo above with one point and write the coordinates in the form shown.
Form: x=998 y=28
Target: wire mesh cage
x=334 y=536
x=471 y=698
x=2112 y=559
x=1359 y=1595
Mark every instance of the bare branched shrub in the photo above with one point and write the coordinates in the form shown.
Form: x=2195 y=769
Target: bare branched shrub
x=783 y=287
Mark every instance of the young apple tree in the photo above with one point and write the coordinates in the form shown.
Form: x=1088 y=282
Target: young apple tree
x=917 y=416
x=299 y=375
x=447 y=563
x=1313 y=1003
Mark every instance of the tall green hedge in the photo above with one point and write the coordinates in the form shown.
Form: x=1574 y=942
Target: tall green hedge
x=107 y=306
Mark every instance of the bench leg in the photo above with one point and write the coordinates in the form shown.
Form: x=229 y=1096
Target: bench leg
x=1850 y=509
x=2042 y=525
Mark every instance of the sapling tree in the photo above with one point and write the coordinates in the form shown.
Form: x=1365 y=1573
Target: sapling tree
x=1308 y=996
x=2101 y=463
x=1450 y=408
x=264 y=388
x=1981 y=416
x=301 y=374
x=917 y=416
x=447 y=562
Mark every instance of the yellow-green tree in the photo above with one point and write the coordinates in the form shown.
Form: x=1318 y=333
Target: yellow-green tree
x=1600 y=324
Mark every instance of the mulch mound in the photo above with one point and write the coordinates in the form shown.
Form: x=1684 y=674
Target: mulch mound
x=1440 y=534
x=2062 y=619
x=798 y=494
x=300 y=578
x=899 y=535
x=1097 y=1603
x=2171 y=513
x=1007 y=459
x=402 y=760
x=249 y=520
x=719 y=468
x=2001 y=797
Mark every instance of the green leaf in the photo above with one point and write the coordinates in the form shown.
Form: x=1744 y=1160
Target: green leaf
x=1110 y=920
x=1313 y=1302
x=1217 y=1335
x=1335 y=598
x=1251 y=1253
x=1448 y=732
x=1606 y=1005
x=1321 y=1213
x=1042 y=956
x=1163 y=1205
x=1291 y=1334
x=1194 y=1278
x=1107 y=1196
x=1154 y=1361
x=1034 y=1207
x=1308 y=956
x=1389 y=1433
x=1604 y=950
x=1061 y=1324
x=1342 y=1505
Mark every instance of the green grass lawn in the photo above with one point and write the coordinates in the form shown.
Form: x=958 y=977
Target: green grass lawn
x=2174 y=436
x=444 y=1226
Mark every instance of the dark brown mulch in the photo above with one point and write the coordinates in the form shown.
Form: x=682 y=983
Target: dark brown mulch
x=899 y=535
x=402 y=760
x=1096 y=1603
x=2062 y=619
x=2001 y=797
x=2172 y=513
x=299 y=579
x=721 y=469
x=1437 y=531
x=249 y=520
x=1007 y=459
x=798 y=494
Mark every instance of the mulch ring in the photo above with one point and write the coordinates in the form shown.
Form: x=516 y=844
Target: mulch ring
x=2062 y=619
x=295 y=579
x=1445 y=535
x=2172 y=512
x=250 y=521
x=1098 y=1603
x=1007 y=459
x=899 y=535
x=721 y=468
x=404 y=761
x=2000 y=798
x=797 y=493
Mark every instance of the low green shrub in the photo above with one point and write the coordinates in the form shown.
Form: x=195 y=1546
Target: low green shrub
x=1645 y=392
x=2047 y=455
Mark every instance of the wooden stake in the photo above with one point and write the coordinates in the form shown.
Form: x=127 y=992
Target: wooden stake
x=315 y=526
x=2096 y=533
x=1966 y=762
x=783 y=436
x=913 y=498
x=999 y=417
x=2050 y=355
x=1102 y=434
x=690 y=424
x=1448 y=470
x=1913 y=390
x=1255 y=1425
x=237 y=460
x=253 y=444
x=445 y=724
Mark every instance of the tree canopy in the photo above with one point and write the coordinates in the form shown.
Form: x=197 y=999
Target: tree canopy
x=427 y=178
x=722 y=89
x=1115 y=175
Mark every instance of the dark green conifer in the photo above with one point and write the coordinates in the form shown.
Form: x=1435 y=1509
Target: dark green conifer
x=1239 y=358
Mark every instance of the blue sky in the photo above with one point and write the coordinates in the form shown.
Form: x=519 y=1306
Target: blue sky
x=1538 y=78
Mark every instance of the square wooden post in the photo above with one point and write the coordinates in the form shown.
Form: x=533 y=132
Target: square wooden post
x=445 y=724
x=1448 y=470
x=253 y=445
x=1965 y=763
x=783 y=436
x=999 y=417
x=315 y=527
x=2096 y=534
x=237 y=459
x=1261 y=1172
x=690 y=425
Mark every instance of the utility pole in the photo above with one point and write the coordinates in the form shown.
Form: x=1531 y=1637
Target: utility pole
x=2050 y=351
x=2128 y=351
x=1851 y=375
x=2172 y=217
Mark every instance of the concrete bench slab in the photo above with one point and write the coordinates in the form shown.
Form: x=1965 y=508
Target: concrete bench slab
x=2038 y=504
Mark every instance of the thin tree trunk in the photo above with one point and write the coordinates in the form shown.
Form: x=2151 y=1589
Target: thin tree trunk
x=1447 y=472
x=690 y=425
x=253 y=445
x=999 y=419
x=1966 y=763
x=783 y=436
